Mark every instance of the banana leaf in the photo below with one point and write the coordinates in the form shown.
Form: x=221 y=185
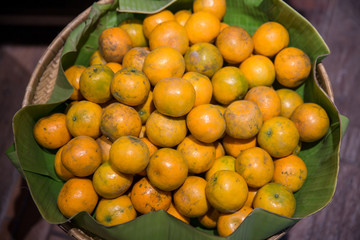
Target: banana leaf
x=36 y=164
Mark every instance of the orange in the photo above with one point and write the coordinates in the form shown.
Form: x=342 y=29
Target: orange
x=114 y=43
x=182 y=16
x=109 y=183
x=129 y=155
x=80 y=193
x=95 y=83
x=216 y=7
x=165 y=131
x=110 y=212
x=81 y=156
x=130 y=86
x=147 y=198
x=291 y=172
x=223 y=26
x=235 y=44
x=152 y=148
x=163 y=62
x=203 y=58
x=135 y=57
x=202 y=27
x=311 y=120
x=202 y=86
x=51 y=131
x=221 y=163
x=251 y=196
x=96 y=58
x=278 y=136
x=83 y=119
x=73 y=74
x=60 y=170
x=267 y=100
x=120 y=120
x=174 y=97
x=206 y=123
x=292 y=67
x=105 y=145
x=221 y=188
x=258 y=70
x=174 y=212
x=134 y=29
x=270 y=38
x=289 y=101
x=198 y=155
x=146 y=108
x=234 y=146
x=151 y=21
x=219 y=149
x=114 y=66
x=256 y=166
x=229 y=84
x=170 y=34
x=229 y=222
x=209 y=220
x=243 y=119
x=275 y=198
x=167 y=169
x=190 y=199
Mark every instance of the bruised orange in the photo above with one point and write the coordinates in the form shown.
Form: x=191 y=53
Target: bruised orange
x=206 y=123
x=80 y=193
x=151 y=21
x=229 y=222
x=73 y=74
x=51 y=131
x=135 y=57
x=167 y=169
x=202 y=85
x=290 y=100
x=311 y=120
x=202 y=27
x=234 y=146
x=147 y=198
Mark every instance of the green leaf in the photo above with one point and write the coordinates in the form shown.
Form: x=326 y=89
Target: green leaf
x=321 y=157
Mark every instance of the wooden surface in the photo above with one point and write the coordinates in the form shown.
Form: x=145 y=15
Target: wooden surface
x=337 y=21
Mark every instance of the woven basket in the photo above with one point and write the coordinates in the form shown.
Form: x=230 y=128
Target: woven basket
x=42 y=82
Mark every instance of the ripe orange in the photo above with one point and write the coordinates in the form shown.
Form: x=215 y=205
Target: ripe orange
x=73 y=74
x=278 y=136
x=81 y=156
x=243 y=119
x=270 y=38
x=229 y=84
x=216 y=7
x=219 y=149
x=202 y=85
x=152 y=148
x=221 y=163
x=51 y=131
x=167 y=169
x=114 y=43
x=60 y=170
x=129 y=155
x=251 y=196
x=292 y=67
x=174 y=97
x=182 y=16
x=163 y=62
x=221 y=188
x=258 y=70
x=134 y=29
x=174 y=212
x=198 y=155
x=275 y=198
x=120 y=120
x=165 y=131
x=80 y=193
x=151 y=21
x=135 y=57
x=114 y=66
x=130 y=86
x=83 y=119
x=235 y=44
x=105 y=145
x=95 y=83
x=110 y=212
x=96 y=58
x=290 y=171
x=290 y=100
x=190 y=199
x=109 y=183
x=256 y=166
x=206 y=123
x=147 y=198
x=170 y=34
x=229 y=222
x=202 y=27
x=209 y=220
x=234 y=146
x=267 y=100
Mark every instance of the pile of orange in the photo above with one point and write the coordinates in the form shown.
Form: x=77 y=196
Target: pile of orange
x=178 y=112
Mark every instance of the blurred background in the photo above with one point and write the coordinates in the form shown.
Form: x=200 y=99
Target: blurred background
x=28 y=27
